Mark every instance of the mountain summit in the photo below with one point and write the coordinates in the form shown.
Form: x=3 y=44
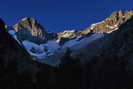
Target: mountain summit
x=29 y=28
x=111 y=23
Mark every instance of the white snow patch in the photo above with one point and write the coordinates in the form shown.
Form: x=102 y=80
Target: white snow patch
x=30 y=45
x=38 y=49
x=67 y=33
x=49 y=56
x=95 y=36
x=82 y=42
x=41 y=51
x=94 y=25
x=13 y=33
x=39 y=56
x=23 y=19
x=86 y=41
x=51 y=46
x=71 y=42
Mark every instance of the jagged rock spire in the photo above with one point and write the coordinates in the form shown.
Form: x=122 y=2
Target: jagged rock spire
x=30 y=29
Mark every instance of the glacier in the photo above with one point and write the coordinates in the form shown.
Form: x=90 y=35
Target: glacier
x=51 y=52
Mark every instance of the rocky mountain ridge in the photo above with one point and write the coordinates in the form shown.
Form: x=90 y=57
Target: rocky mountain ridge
x=98 y=58
x=111 y=23
x=29 y=28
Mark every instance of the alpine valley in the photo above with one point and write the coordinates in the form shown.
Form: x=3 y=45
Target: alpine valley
x=97 y=57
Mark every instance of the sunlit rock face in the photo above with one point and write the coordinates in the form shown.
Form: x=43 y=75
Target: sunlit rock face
x=111 y=23
x=108 y=25
x=69 y=34
x=29 y=28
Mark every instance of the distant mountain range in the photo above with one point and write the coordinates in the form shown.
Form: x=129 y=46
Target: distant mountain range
x=98 y=57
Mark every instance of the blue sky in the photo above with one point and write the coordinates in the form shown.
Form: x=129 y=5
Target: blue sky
x=58 y=15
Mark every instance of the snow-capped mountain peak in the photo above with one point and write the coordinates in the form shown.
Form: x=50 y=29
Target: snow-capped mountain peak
x=28 y=32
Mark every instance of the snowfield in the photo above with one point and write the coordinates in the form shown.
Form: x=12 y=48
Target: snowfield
x=51 y=52
x=75 y=44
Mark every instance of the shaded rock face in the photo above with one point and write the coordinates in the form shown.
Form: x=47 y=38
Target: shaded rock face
x=19 y=71
x=111 y=67
x=31 y=30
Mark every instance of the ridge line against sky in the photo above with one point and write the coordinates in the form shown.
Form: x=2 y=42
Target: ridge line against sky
x=59 y=15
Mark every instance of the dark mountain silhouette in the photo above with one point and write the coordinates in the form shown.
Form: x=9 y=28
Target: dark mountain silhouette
x=111 y=67
x=19 y=71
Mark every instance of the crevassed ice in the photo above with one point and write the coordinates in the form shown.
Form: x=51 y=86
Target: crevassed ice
x=51 y=52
